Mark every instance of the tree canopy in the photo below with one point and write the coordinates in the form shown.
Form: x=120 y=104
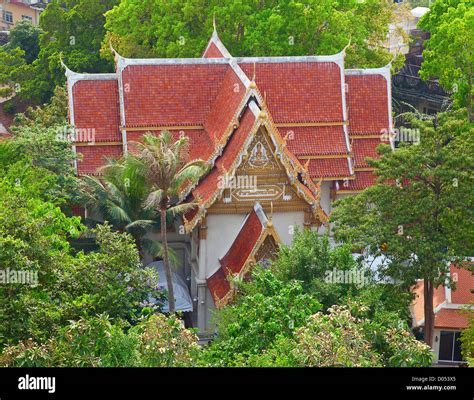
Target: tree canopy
x=420 y=214
x=449 y=52
x=159 y=28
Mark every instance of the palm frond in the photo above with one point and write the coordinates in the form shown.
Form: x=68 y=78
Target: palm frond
x=144 y=224
x=153 y=200
x=180 y=209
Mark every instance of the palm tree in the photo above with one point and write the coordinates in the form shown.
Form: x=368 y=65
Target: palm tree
x=118 y=197
x=160 y=160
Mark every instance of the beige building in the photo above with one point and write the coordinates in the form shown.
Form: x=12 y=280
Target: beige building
x=12 y=11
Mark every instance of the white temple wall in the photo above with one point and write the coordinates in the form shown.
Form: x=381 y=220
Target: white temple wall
x=325 y=200
x=222 y=229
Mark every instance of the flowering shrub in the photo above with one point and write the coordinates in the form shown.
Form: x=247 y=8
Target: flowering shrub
x=265 y=309
x=164 y=342
x=157 y=341
x=335 y=340
x=339 y=339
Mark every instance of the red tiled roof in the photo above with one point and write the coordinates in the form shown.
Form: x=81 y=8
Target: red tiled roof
x=96 y=107
x=209 y=185
x=170 y=94
x=363 y=148
x=363 y=179
x=465 y=283
x=328 y=167
x=93 y=157
x=236 y=257
x=218 y=284
x=451 y=319
x=315 y=140
x=243 y=244
x=367 y=104
x=300 y=91
x=225 y=106
x=208 y=93
x=212 y=51
x=200 y=145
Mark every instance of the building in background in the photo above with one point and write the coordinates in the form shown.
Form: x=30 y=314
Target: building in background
x=410 y=92
x=451 y=307
x=13 y=11
x=283 y=136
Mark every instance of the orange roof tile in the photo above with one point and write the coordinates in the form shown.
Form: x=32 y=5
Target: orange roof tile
x=316 y=140
x=363 y=148
x=451 y=319
x=166 y=95
x=464 y=285
x=328 y=167
x=300 y=91
x=367 y=104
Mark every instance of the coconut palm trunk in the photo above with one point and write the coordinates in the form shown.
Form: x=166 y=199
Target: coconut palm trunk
x=161 y=161
x=166 y=260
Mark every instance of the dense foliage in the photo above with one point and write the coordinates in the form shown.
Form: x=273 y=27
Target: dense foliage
x=277 y=319
x=340 y=339
x=449 y=52
x=265 y=309
x=467 y=340
x=33 y=238
x=156 y=341
x=420 y=214
x=161 y=28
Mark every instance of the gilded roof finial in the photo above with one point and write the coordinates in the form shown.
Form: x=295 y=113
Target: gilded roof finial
x=253 y=85
x=214 y=22
x=306 y=165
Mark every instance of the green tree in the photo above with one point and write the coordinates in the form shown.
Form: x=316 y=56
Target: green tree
x=309 y=259
x=449 y=53
x=312 y=261
x=342 y=339
x=265 y=309
x=25 y=36
x=158 y=28
x=467 y=339
x=34 y=238
x=161 y=161
x=118 y=197
x=40 y=155
x=74 y=28
x=12 y=71
x=156 y=341
x=420 y=214
x=50 y=115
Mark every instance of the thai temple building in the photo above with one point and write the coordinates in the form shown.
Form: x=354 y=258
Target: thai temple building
x=284 y=137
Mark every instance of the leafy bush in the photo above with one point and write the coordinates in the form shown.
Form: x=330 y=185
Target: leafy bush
x=266 y=309
x=34 y=237
x=311 y=256
x=340 y=339
x=467 y=340
x=308 y=260
x=157 y=341
x=164 y=342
